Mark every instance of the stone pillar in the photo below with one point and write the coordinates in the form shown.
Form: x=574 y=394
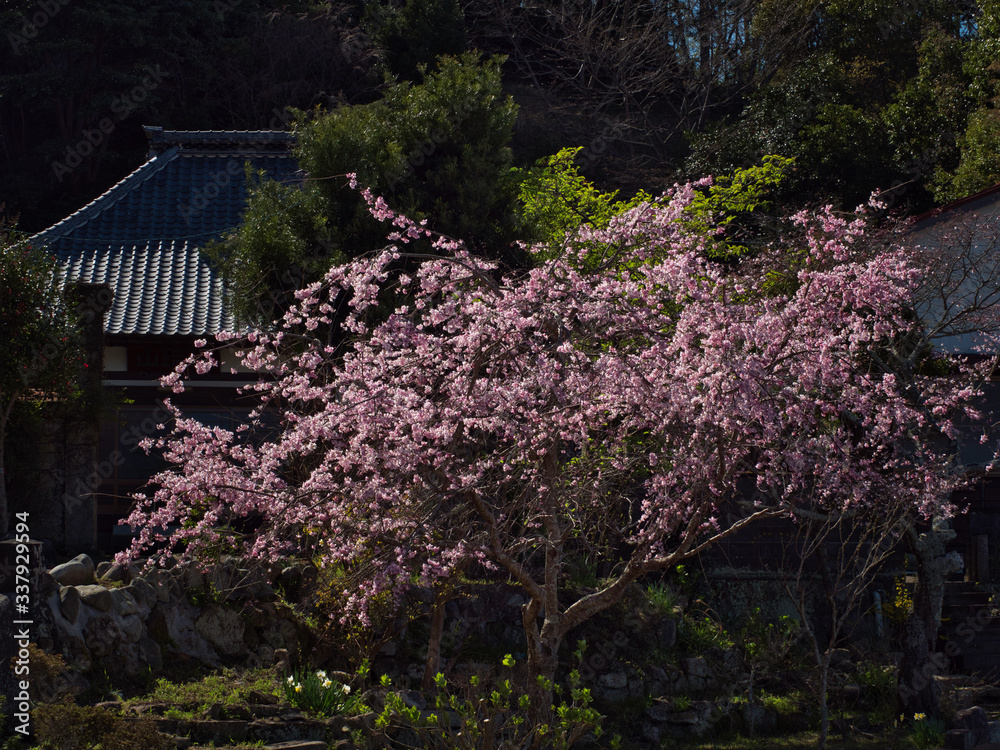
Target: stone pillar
x=81 y=431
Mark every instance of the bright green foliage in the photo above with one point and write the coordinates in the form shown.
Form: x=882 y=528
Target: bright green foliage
x=663 y=598
x=979 y=167
x=556 y=200
x=316 y=693
x=497 y=719
x=699 y=633
x=228 y=688
x=413 y=34
x=722 y=212
x=439 y=148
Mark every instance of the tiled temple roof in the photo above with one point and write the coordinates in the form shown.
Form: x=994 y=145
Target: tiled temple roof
x=143 y=236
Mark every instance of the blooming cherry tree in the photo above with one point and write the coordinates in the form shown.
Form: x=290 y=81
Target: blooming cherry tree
x=510 y=420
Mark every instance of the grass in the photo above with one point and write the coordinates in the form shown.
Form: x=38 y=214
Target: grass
x=663 y=597
x=890 y=740
x=228 y=687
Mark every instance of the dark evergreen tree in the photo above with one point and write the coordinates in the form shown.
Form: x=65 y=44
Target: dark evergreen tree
x=439 y=148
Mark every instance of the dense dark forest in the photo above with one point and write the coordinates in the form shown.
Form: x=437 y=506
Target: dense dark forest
x=865 y=95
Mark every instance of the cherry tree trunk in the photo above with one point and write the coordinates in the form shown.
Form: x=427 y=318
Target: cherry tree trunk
x=432 y=665
x=918 y=691
x=543 y=650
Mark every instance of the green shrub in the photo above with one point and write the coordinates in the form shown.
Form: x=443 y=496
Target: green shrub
x=496 y=717
x=71 y=727
x=770 y=647
x=698 y=634
x=228 y=688
x=663 y=598
x=878 y=690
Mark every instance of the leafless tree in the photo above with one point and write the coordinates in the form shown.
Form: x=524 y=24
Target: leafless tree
x=652 y=69
x=831 y=562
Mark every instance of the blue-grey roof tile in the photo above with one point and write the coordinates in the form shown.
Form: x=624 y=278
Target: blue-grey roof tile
x=143 y=236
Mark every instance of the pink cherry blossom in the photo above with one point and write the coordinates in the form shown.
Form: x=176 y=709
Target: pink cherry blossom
x=510 y=420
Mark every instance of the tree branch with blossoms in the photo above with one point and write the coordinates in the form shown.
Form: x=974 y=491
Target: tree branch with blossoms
x=486 y=420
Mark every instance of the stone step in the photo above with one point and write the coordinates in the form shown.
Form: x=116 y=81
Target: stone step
x=952 y=587
x=964 y=590
x=981 y=665
x=978 y=621
x=955 y=616
x=962 y=601
x=964 y=593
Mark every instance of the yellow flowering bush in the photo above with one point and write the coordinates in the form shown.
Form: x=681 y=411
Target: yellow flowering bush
x=896 y=609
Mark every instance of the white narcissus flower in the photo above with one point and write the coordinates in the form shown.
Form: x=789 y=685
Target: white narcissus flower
x=327 y=683
x=346 y=689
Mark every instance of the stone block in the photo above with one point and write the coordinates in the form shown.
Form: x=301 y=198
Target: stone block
x=97 y=597
x=613 y=680
x=223 y=628
x=76 y=572
x=699 y=675
x=666 y=633
x=131 y=627
x=69 y=603
x=124 y=602
x=958 y=739
x=977 y=722
x=142 y=592
x=102 y=636
x=149 y=651
x=219 y=732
